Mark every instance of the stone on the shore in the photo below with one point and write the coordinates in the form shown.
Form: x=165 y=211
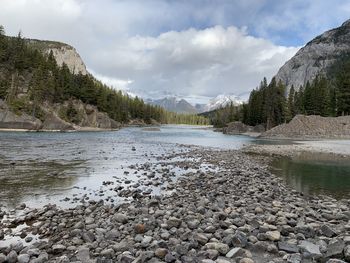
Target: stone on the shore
x=287 y=247
x=174 y=222
x=310 y=248
x=160 y=252
x=220 y=247
x=56 y=249
x=347 y=253
x=23 y=258
x=335 y=249
x=120 y=218
x=2 y=258
x=12 y=257
x=246 y=260
x=235 y=252
x=327 y=231
x=239 y=239
x=273 y=235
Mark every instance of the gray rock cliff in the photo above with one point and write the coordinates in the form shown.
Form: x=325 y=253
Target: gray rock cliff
x=316 y=56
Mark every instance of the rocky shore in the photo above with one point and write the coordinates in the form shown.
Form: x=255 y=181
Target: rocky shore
x=238 y=212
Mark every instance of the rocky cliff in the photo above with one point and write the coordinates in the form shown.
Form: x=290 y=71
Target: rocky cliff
x=62 y=52
x=316 y=56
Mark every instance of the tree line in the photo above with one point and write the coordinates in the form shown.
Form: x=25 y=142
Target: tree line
x=272 y=104
x=24 y=68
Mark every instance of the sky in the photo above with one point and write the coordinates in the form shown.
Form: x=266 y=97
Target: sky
x=194 y=49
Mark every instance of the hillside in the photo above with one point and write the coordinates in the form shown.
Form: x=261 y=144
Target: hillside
x=44 y=85
x=316 y=57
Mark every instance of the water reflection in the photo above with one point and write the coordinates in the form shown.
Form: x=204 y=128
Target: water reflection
x=316 y=174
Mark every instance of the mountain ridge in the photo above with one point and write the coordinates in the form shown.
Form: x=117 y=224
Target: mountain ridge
x=316 y=57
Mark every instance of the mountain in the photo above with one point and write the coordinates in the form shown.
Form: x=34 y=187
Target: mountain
x=316 y=57
x=218 y=102
x=174 y=104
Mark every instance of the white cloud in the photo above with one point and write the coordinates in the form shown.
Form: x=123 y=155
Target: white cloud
x=190 y=48
x=201 y=62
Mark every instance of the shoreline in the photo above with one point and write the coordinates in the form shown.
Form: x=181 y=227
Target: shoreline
x=332 y=148
x=239 y=212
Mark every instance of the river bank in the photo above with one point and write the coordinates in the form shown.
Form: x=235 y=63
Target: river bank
x=324 y=148
x=233 y=211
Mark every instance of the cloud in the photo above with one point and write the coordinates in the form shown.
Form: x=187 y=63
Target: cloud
x=201 y=62
x=192 y=48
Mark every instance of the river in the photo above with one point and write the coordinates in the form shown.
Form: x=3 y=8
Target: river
x=37 y=168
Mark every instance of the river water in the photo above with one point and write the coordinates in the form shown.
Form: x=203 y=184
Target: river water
x=39 y=168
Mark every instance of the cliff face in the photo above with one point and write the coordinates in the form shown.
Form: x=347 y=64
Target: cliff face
x=316 y=56
x=62 y=52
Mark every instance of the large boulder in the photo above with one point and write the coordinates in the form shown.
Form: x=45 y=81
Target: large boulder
x=10 y=120
x=53 y=122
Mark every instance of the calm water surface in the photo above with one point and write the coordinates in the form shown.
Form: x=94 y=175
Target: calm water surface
x=315 y=174
x=40 y=168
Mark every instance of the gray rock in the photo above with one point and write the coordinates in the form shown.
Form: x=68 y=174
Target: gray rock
x=220 y=247
x=239 y=239
x=174 y=222
x=2 y=258
x=12 y=257
x=347 y=253
x=285 y=246
x=56 y=249
x=120 y=218
x=23 y=258
x=273 y=235
x=310 y=248
x=335 y=249
x=327 y=231
x=316 y=57
x=201 y=238
x=235 y=252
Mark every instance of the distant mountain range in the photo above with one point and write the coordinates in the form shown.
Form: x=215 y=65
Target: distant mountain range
x=175 y=104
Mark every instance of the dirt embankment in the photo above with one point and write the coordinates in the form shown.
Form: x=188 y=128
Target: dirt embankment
x=312 y=127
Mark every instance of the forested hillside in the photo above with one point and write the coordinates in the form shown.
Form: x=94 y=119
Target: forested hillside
x=29 y=78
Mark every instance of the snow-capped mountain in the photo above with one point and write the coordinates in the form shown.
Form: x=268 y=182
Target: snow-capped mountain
x=174 y=104
x=218 y=102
